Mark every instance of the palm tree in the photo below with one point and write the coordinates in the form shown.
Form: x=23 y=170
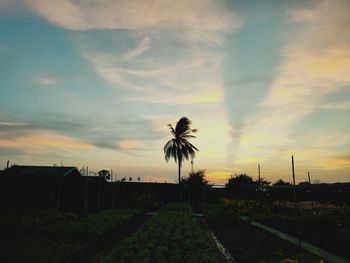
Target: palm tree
x=179 y=147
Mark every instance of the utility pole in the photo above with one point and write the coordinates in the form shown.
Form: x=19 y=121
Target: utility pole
x=296 y=203
x=312 y=201
x=261 y=195
x=112 y=193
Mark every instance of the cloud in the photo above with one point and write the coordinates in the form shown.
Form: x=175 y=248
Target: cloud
x=315 y=64
x=142 y=47
x=63 y=131
x=186 y=37
x=131 y=144
x=5 y=4
x=204 y=96
x=43 y=138
x=12 y=124
x=332 y=163
x=8 y=152
x=167 y=74
x=344 y=105
x=204 y=15
x=171 y=62
x=46 y=81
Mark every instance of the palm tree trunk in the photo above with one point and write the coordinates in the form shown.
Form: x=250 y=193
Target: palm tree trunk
x=180 y=192
x=179 y=172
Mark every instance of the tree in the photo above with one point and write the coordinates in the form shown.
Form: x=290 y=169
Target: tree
x=304 y=183
x=263 y=182
x=179 y=147
x=280 y=182
x=197 y=185
x=239 y=181
x=105 y=174
x=196 y=179
x=242 y=185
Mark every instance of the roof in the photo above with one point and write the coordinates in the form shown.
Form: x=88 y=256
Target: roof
x=27 y=170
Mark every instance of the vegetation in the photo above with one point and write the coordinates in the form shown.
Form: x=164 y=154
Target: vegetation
x=60 y=239
x=195 y=180
x=240 y=185
x=177 y=206
x=324 y=224
x=248 y=243
x=105 y=174
x=170 y=236
x=95 y=225
x=280 y=182
x=179 y=147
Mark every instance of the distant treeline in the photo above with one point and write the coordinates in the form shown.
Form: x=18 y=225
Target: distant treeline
x=85 y=195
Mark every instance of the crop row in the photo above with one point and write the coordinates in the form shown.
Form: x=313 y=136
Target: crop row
x=177 y=206
x=170 y=236
x=254 y=207
x=248 y=243
x=62 y=241
x=95 y=225
x=325 y=225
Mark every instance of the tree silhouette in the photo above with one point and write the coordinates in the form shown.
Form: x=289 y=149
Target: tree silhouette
x=280 y=182
x=240 y=185
x=179 y=147
x=195 y=179
x=105 y=174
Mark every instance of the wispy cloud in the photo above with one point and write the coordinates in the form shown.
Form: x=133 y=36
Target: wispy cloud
x=133 y=14
x=131 y=144
x=142 y=47
x=316 y=63
x=210 y=95
x=343 y=105
x=186 y=37
x=38 y=139
x=167 y=75
x=12 y=124
x=46 y=81
x=78 y=132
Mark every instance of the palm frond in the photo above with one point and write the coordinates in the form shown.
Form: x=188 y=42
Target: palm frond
x=179 y=148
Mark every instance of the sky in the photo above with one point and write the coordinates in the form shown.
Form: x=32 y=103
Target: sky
x=94 y=84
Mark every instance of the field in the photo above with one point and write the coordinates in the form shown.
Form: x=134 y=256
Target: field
x=323 y=224
x=45 y=237
x=170 y=234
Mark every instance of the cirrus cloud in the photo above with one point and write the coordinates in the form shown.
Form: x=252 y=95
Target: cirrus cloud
x=207 y=15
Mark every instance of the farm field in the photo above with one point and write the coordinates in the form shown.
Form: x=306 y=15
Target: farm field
x=64 y=238
x=323 y=224
x=249 y=244
x=170 y=234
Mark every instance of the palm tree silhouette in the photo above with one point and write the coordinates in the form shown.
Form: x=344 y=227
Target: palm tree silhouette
x=179 y=147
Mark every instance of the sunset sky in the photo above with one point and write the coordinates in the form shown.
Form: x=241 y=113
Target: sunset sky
x=95 y=83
